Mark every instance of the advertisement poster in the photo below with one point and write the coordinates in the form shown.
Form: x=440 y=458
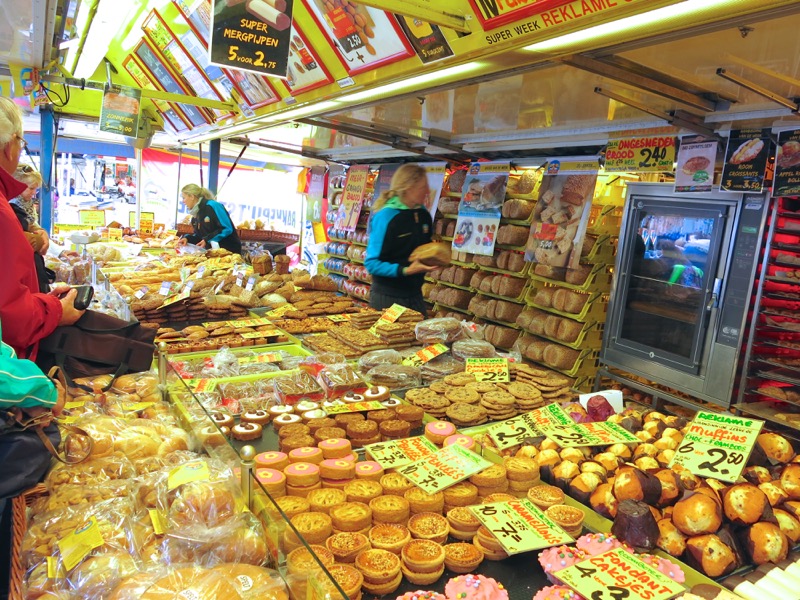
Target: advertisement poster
x=254 y=89
x=428 y=40
x=651 y=154
x=364 y=37
x=168 y=110
x=561 y=214
x=383 y=182
x=352 y=197
x=787 y=164
x=253 y=35
x=695 y=170
x=436 y=173
x=306 y=71
x=479 y=210
x=120 y=110
x=746 y=160
x=437 y=111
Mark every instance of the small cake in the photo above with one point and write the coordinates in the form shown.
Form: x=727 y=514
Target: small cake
x=379 y=416
x=463 y=523
x=349 y=579
x=465 y=441
x=246 y=431
x=569 y=518
x=337 y=468
x=272 y=480
x=429 y=526
x=362 y=490
x=423 y=561
x=302 y=474
x=335 y=447
x=272 y=460
x=636 y=525
x=222 y=419
x=597 y=543
x=377 y=393
x=462 y=557
x=307 y=454
x=293 y=505
x=381 y=571
x=557 y=592
x=256 y=416
x=390 y=509
x=351 y=516
x=326 y=433
x=322 y=500
x=305 y=406
x=391 y=402
x=351 y=397
x=312 y=415
x=555 y=559
x=394 y=429
x=412 y=414
x=291 y=429
x=369 y=470
x=475 y=587
x=395 y=484
x=438 y=431
x=320 y=422
x=293 y=442
x=665 y=566
x=422 y=595
x=280 y=409
x=285 y=419
x=389 y=536
x=345 y=546
x=421 y=501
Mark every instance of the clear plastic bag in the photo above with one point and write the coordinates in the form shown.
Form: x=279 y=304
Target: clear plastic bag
x=379 y=357
x=395 y=377
x=290 y=389
x=340 y=378
x=438 y=331
x=465 y=349
x=316 y=362
x=441 y=366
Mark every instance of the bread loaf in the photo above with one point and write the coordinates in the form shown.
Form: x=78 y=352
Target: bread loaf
x=512 y=235
x=491 y=309
x=569 y=330
x=574 y=302
x=535 y=350
x=436 y=274
x=511 y=287
x=544 y=297
x=517 y=209
x=516 y=261
x=449 y=274
x=501 y=337
x=461 y=298
x=502 y=260
x=448 y=206
x=507 y=311
x=524 y=318
x=477 y=278
x=463 y=276
x=435 y=253
x=578 y=276
x=486 y=284
x=439 y=227
x=496 y=280
x=554 y=273
x=450 y=228
x=560 y=357
x=551 y=324
x=477 y=306
x=485 y=261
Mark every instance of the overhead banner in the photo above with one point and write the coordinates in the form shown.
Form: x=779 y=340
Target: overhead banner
x=120 y=111
x=787 y=164
x=651 y=154
x=479 y=210
x=746 y=160
x=561 y=214
x=695 y=170
x=352 y=197
x=428 y=40
x=253 y=36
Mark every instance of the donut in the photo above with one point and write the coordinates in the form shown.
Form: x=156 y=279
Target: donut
x=246 y=431
x=377 y=393
x=465 y=441
x=272 y=460
x=280 y=409
x=337 y=468
x=222 y=419
x=255 y=416
x=285 y=419
x=301 y=474
x=351 y=397
x=335 y=447
x=306 y=406
x=307 y=454
x=272 y=480
x=369 y=469
x=439 y=431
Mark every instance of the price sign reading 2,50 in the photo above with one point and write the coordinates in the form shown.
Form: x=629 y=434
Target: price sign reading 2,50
x=233 y=55
x=652 y=156
x=719 y=455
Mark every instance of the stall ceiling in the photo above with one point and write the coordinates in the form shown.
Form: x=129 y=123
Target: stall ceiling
x=460 y=108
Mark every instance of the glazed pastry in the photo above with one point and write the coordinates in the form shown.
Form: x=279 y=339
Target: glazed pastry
x=389 y=536
x=423 y=561
x=377 y=393
x=569 y=518
x=335 y=447
x=390 y=509
x=222 y=419
x=421 y=501
x=463 y=523
x=369 y=470
x=438 y=431
x=351 y=516
x=246 y=431
x=429 y=526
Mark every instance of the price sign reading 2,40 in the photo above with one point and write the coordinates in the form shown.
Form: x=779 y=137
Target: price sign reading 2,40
x=651 y=156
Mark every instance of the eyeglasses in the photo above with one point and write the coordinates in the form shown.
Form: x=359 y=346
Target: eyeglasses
x=25 y=168
x=22 y=142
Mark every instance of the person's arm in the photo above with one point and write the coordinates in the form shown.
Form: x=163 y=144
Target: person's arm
x=223 y=219
x=377 y=234
x=22 y=383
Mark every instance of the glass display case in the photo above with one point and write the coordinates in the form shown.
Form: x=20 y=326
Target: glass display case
x=682 y=282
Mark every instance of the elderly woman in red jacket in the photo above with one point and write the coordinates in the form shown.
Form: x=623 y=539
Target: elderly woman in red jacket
x=28 y=314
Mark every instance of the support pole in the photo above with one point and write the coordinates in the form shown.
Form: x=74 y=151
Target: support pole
x=46 y=159
x=213 y=164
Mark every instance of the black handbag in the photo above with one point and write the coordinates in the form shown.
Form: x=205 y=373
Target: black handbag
x=98 y=344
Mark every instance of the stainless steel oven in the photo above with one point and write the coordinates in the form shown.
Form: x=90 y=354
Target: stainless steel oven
x=682 y=283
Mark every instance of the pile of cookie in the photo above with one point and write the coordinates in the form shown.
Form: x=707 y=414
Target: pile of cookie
x=312 y=303
x=307 y=325
x=467 y=403
x=553 y=387
x=366 y=318
x=324 y=342
x=212 y=336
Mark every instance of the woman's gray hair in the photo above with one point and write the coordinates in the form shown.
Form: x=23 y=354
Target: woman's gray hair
x=10 y=121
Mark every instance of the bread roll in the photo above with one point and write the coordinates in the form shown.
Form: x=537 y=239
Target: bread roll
x=434 y=253
x=568 y=331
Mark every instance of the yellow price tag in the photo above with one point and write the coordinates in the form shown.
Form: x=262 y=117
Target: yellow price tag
x=339 y=318
x=158 y=521
x=114 y=234
x=79 y=544
x=196 y=470
x=390 y=315
x=520 y=526
x=425 y=355
x=281 y=310
x=488 y=369
x=398 y=453
x=439 y=471
x=92 y=218
x=354 y=407
x=199 y=386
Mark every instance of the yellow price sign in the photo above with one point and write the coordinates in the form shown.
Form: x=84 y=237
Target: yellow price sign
x=520 y=526
x=92 y=218
x=717 y=445
x=281 y=310
x=255 y=335
x=618 y=575
x=78 y=544
x=196 y=470
x=114 y=234
x=653 y=153
x=589 y=434
x=445 y=468
x=420 y=357
x=390 y=315
x=199 y=386
x=398 y=453
x=339 y=318
x=488 y=369
x=349 y=407
x=512 y=432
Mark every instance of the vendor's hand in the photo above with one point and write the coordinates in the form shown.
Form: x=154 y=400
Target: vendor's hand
x=69 y=314
x=61 y=400
x=60 y=289
x=69 y=254
x=182 y=242
x=45 y=241
x=201 y=244
x=417 y=267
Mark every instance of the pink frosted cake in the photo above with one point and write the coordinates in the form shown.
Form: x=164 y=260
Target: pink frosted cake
x=557 y=592
x=596 y=543
x=474 y=587
x=667 y=567
x=555 y=559
x=422 y=595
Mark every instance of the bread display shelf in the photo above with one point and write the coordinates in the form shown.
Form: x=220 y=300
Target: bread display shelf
x=449 y=215
x=606 y=221
x=602 y=252
x=508 y=221
x=785 y=280
x=452 y=285
x=518 y=300
x=793 y=369
x=503 y=323
x=789 y=230
x=523 y=273
x=768 y=413
x=438 y=305
x=787 y=247
x=591 y=334
x=585 y=363
x=466 y=265
x=598 y=280
x=765 y=393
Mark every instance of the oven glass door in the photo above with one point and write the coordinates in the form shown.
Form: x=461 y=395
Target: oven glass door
x=670 y=269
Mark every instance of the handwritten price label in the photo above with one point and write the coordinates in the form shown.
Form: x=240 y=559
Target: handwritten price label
x=269 y=357
x=399 y=453
x=425 y=355
x=391 y=315
x=339 y=318
x=589 y=434
x=717 y=445
x=618 y=575
x=199 y=386
x=512 y=432
x=520 y=526
x=354 y=407
x=443 y=469
x=652 y=153
x=488 y=369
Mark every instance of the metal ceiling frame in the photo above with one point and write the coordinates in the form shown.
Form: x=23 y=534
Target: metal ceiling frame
x=792 y=105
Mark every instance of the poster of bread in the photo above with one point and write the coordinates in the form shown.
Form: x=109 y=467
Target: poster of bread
x=120 y=110
x=787 y=164
x=746 y=160
x=695 y=170
x=482 y=200
x=561 y=215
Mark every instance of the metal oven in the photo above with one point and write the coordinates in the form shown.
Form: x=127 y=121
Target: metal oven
x=682 y=284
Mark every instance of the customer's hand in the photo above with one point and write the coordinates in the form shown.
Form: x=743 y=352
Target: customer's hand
x=61 y=400
x=182 y=241
x=45 y=241
x=69 y=314
x=201 y=244
x=417 y=267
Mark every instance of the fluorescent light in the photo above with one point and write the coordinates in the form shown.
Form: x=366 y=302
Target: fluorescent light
x=303 y=111
x=112 y=17
x=413 y=82
x=620 y=26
